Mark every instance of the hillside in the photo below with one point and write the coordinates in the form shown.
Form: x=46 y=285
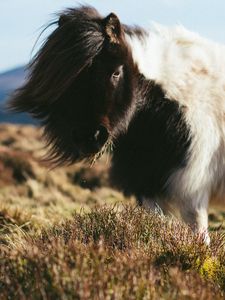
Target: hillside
x=66 y=234
x=9 y=81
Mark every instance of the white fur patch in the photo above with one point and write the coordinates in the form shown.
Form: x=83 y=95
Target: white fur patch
x=191 y=70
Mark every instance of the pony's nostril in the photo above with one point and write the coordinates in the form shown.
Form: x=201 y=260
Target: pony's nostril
x=101 y=135
x=88 y=141
x=97 y=134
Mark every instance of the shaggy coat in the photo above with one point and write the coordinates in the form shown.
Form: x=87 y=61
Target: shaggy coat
x=157 y=95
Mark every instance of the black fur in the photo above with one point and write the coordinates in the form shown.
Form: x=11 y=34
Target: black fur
x=155 y=145
x=85 y=89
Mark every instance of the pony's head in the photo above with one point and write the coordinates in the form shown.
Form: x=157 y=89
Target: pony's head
x=80 y=85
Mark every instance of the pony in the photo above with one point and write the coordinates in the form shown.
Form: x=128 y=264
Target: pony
x=156 y=95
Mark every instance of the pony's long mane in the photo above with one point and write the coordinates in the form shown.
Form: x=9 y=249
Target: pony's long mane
x=67 y=51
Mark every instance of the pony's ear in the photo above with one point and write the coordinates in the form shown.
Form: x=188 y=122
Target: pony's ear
x=63 y=19
x=113 y=28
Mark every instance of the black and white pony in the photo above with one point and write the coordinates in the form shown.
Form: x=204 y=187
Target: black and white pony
x=157 y=95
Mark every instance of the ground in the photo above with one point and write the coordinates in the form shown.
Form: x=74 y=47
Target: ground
x=66 y=234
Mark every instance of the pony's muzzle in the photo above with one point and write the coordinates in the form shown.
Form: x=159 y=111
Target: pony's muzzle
x=90 y=143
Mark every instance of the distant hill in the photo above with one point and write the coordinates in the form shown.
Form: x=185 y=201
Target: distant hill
x=9 y=81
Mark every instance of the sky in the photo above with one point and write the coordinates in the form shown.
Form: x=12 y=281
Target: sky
x=21 y=20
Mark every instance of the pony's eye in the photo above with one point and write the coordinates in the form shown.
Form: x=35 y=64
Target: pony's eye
x=117 y=73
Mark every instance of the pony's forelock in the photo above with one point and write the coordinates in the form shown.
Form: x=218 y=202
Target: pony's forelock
x=68 y=50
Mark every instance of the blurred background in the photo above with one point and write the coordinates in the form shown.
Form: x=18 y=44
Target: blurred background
x=21 y=22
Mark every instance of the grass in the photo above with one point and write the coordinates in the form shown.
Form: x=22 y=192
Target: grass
x=66 y=234
x=112 y=253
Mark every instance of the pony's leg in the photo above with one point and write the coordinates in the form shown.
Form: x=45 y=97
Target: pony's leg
x=194 y=212
x=156 y=205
